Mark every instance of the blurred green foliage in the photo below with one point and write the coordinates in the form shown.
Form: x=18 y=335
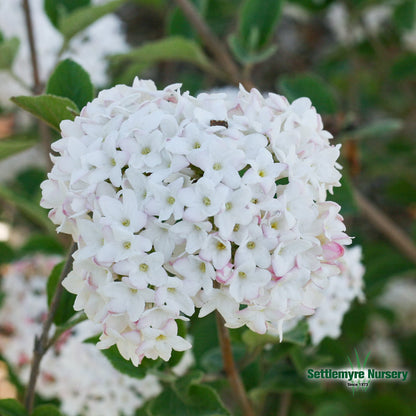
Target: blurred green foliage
x=362 y=82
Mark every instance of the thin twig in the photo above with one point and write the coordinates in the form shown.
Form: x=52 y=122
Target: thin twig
x=386 y=226
x=42 y=344
x=285 y=400
x=75 y=320
x=230 y=367
x=37 y=85
x=37 y=88
x=213 y=43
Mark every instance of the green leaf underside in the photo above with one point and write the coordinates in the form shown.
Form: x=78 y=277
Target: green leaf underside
x=249 y=57
x=174 y=48
x=376 y=128
x=83 y=17
x=15 y=144
x=56 y=9
x=311 y=86
x=8 y=51
x=70 y=80
x=187 y=397
x=258 y=19
x=11 y=407
x=125 y=366
x=46 y=410
x=298 y=335
x=65 y=309
x=49 y=108
x=32 y=210
x=404 y=15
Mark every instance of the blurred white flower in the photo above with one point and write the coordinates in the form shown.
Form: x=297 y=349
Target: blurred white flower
x=89 y=48
x=399 y=296
x=211 y=225
x=74 y=372
x=348 y=30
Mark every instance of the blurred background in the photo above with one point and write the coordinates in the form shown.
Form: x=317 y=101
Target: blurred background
x=356 y=61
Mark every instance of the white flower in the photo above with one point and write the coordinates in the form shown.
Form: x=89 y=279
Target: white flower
x=197 y=274
x=194 y=234
x=203 y=200
x=237 y=210
x=247 y=281
x=342 y=289
x=143 y=270
x=103 y=389
x=217 y=250
x=216 y=201
x=124 y=214
x=164 y=200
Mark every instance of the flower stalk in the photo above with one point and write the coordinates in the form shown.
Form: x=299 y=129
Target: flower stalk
x=231 y=368
x=42 y=343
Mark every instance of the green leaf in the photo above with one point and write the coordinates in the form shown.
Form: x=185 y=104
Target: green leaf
x=83 y=17
x=11 y=407
x=126 y=366
x=313 y=5
x=6 y=253
x=376 y=129
x=177 y=355
x=15 y=144
x=178 y=25
x=65 y=309
x=381 y=262
x=28 y=182
x=41 y=243
x=344 y=196
x=311 y=86
x=187 y=397
x=173 y=48
x=56 y=9
x=49 y=108
x=46 y=410
x=404 y=67
x=32 y=210
x=254 y=340
x=404 y=15
x=249 y=57
x=302 y=359
x=204 y=332
x=298 y=335
x=212 y=360
x=280 y=377
x=8 y=51
x=331 y=409
x=257 y=22
x=70 y=80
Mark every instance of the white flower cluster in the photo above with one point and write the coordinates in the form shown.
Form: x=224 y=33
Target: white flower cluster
x=399 y=296
x=176 y=202
x=101 y=390
x=348 y=31
x=89 y=48
x=341 y=291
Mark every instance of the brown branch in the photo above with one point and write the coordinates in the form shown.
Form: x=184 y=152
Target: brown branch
x=386 y=226
x=37 y=88
x=213 y=43
x=230 y=367
x=37 y=85
x=285 y=400
x=42 y=343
